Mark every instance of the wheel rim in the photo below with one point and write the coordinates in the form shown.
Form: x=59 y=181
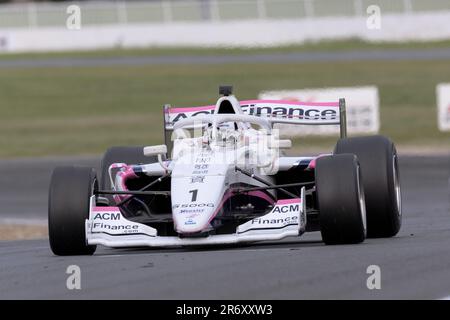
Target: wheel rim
x=398 y=196
x=362 y=200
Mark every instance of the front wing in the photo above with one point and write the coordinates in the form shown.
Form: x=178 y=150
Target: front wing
x=107 y=226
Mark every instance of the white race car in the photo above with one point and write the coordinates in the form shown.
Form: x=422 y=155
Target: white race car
x=228 y=181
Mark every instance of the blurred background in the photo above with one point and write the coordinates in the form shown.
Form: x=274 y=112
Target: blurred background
x=78 y=77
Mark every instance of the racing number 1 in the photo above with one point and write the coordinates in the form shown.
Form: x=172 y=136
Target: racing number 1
x=194 y=195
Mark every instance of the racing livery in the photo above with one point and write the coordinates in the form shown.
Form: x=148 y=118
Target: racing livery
x=222 y=177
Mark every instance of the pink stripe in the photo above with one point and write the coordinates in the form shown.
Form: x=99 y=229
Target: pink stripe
x=289 y=201
x=105 y=209
x=261 y=195
x=125 y=175
x=312 y=164
x=226 y=196
x=297 y=103
x=230 y=193
x=192 y=109
x=117 y=165
x=245 y=102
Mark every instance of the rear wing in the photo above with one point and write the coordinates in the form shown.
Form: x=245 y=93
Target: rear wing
x=276 y=111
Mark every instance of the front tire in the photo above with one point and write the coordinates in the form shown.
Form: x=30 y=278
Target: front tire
x=68 y=208
x=379 y=165
x=340 y=198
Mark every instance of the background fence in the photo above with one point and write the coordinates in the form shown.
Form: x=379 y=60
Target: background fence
x=36 y=15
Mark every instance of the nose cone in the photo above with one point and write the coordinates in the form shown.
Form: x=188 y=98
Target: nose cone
x=196 y=201
x=197 y=189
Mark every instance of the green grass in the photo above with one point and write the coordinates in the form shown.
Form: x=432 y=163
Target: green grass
x=70 y=111
x=343 y=45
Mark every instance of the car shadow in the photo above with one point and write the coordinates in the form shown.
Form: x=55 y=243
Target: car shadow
x=289 y=244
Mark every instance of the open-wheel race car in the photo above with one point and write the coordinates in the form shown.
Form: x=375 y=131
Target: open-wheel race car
x=222 y=177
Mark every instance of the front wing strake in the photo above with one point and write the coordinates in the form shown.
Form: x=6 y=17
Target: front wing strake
x=107 y=226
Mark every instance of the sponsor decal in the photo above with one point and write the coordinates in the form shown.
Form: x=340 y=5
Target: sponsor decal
x=200 y=172
x=107 y=216
x=190 y=222
x=362 y=104
x=182 y=115
x=273 y=110
x=192 y=210
x=286 y=208
x=273 y=220
x=298 y=112
x=125 y=228
x=197 y=179
x=282 y=215
x=110 y=221
x=203 y=159
x=193 y=205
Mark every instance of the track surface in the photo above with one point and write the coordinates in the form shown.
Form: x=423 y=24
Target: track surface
x=355 y=55
x=415 y=264
x=24 y=187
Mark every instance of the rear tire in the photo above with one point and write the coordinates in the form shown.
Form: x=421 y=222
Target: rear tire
x=68 y=209
x=340 y=198
x=379 y=166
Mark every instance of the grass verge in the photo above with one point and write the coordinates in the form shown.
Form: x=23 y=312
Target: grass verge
x=22 y=232
x=71 y=111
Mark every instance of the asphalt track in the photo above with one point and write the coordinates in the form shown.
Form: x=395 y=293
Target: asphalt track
x=415 y=264
x=289 y=57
